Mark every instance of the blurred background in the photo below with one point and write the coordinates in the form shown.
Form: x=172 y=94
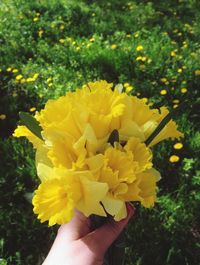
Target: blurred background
x=48 y=47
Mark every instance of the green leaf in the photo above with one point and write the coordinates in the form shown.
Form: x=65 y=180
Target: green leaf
x=31 y=123
x=114 y=137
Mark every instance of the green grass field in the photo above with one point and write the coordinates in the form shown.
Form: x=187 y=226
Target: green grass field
x=48 y=47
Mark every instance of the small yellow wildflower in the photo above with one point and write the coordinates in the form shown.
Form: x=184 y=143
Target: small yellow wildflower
x=49 y=79
x=88 y=45
x=2 y=116
x=93 y=14
x=18 y=77
x=62 y=27
x=180 y=70
x=14 y=94
x=61 y=41
x=35 y=19
x=126 y=85
x=173 y=54
x=0 y=70
x=175 y=106
x=78 y=48
x=23 y=80
x=50 y=84
x=178 y=146
x=163 y=92
x=113 y=46
x=40 y=33
x=9 y=69
x=15 y=70
x=128 y=35
x=32 y=109
x=176 y=101
x=139 y=58
x=183 y=90
x=136 y=35
x=197 y=72
x=30 y=79
x=35 y=76
x=184 y=67
x=174 y=158
x=163 y=80
x=92 y=39
x=180 y=34
x=139 y=48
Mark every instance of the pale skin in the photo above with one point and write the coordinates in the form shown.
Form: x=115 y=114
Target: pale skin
x=76 y=244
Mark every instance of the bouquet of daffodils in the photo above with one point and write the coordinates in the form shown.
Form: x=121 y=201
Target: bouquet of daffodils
x=93 y=152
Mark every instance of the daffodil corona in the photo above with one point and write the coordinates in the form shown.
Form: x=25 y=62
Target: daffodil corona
x=77 y=165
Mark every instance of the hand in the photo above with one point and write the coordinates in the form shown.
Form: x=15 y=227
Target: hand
x=76 y=244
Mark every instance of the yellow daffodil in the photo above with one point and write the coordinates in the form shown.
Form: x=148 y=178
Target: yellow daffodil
x=178 y=146
x=76 y=163
x=174 y=159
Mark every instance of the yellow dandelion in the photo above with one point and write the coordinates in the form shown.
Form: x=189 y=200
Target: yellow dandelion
x=113 y=46
x=92 y=39
x=163 y=92
x=35 y=19
x=40 y=33
x=15 y=70
x=19 y=77
x=184 y=90
x=62 y=27
x=139 y=48
x=49 y=79
x=2 y=116
x=61 y=41
x=30 y=79
x=180 y=70
x=139 y=58
x=178 y=146
x=23 y=80
x=35 y=76
x=176 y=101
x=163 y=80
x=32 y=109
x=197 y=72
x=9 y=69
x=173 y=54
x=174 y=158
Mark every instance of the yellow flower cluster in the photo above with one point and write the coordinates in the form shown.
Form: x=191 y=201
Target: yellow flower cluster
x=78 y=165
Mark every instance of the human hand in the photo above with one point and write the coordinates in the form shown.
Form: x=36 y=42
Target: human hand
x=76 y=244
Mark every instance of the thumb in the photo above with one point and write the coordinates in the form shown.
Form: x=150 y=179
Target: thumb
x=106 y=234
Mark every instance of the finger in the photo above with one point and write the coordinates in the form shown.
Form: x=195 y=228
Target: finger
x=104 y=236
x=78 y=227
